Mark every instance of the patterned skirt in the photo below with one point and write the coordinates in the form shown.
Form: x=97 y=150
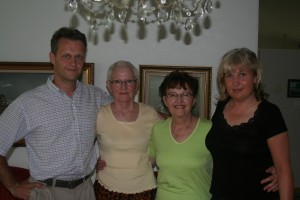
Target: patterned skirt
x=104 y=194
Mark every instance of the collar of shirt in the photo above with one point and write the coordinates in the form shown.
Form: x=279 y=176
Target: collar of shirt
x=55 y=89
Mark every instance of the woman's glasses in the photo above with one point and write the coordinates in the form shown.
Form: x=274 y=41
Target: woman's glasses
x=118 y=83
x=174 y=96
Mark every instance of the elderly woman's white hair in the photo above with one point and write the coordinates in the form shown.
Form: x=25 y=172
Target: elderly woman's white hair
x=121 y=64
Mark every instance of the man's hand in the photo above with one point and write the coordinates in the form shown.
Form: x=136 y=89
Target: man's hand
x=272 y=180
x=22 y=190
x=100 y=164
x=17 y=189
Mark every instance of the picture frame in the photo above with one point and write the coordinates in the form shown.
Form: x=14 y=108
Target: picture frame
x=293 y=89
x=151 y=77
x=18 y=77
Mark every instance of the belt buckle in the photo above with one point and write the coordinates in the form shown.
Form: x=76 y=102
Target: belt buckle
x=72 y=185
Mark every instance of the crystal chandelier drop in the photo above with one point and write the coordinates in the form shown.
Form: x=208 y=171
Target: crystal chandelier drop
x=105 y=12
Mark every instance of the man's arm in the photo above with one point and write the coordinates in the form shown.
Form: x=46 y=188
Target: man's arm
x=18 y=189
x=6 y=176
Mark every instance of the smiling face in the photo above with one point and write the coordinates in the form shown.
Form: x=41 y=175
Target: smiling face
x=68 y=61
x=122 y=84
x=179 y=101
x=240 y=82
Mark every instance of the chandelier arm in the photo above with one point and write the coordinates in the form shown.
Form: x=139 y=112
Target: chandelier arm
x=106 y=12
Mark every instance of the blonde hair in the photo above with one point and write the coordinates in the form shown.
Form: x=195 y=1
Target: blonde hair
x=241 y=57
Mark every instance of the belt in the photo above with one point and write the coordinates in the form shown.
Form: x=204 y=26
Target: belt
x=65 y=184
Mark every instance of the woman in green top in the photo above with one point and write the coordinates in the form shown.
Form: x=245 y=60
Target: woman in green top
x=177 y=145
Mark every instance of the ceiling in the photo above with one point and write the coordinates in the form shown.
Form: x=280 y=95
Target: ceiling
x=279 y=24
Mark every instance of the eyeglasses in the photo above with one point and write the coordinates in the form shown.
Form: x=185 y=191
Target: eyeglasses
x=184 y=96
x=118 y=83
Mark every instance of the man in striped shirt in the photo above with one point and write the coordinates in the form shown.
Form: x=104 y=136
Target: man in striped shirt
x=57 y=121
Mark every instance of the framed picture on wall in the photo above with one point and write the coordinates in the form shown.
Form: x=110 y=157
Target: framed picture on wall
x=151 y=76
x=293 y=89
x=19 y=77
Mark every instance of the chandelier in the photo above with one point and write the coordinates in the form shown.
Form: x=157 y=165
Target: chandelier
x=105 y=12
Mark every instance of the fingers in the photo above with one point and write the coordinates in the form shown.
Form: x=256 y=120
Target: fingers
x=271 y=170
x=100 y=164
x=268 y=179
x=271 y=181
x=39 y=185
x=272 y=185
x=23 y=189
x=271 y=188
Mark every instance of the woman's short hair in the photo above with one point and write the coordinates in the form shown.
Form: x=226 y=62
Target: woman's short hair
x=120 y=64
x=240 y=57
x=178 y=79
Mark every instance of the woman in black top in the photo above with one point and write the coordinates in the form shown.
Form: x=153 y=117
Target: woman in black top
x=248 y=134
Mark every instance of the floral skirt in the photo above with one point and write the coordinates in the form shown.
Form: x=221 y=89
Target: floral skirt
x=104 y=194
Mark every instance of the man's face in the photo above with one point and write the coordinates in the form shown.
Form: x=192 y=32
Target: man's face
x=68 y=60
